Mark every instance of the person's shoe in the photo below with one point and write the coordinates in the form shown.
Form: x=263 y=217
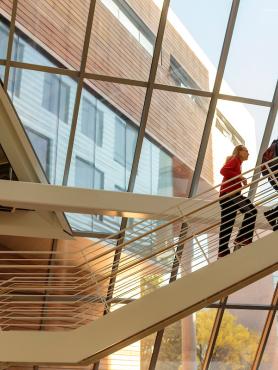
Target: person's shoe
x=240 y=243
x=237 y=246
x=223 y=253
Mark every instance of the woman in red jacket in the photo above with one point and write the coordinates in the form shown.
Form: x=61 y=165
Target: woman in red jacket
x=235 y=202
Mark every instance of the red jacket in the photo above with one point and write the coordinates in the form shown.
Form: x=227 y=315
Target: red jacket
x=231 y=169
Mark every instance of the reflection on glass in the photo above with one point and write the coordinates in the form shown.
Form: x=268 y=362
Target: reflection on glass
x=44 y=103
x=253 y=39
x=155 y=172
x=105 y=138
x=177 y=122
x=142 y=267
x=238 y=339
x=123 y=38
x=96 y=223
x=4 y=34
x=17 y=54
x=270 y=356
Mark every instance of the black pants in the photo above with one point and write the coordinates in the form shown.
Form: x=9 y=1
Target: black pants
x=272 y=217
x=229 y=208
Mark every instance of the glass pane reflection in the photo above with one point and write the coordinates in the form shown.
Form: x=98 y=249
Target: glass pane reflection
x=105 y=136
x=176 y=121
x=93 y=223
x=44 y=103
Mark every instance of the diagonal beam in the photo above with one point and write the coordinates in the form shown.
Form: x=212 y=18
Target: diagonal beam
x=265 y=140
x=266 y=331
x=173 y=277
x=139 y=143
x=214 y=333
x=204 y=141
x=213 y=101
x=10 y=44
x=149 y=92
x=79 y=89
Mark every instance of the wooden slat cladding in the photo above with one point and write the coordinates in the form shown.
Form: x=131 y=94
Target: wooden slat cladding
x=114 y=51
x=60 y=25
x=175 y=121
x=7 y=6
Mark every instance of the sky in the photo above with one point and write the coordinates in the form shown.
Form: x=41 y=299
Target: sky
x=252 y=65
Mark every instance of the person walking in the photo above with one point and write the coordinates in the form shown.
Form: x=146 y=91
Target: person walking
x=271 y=156
x=233 y=201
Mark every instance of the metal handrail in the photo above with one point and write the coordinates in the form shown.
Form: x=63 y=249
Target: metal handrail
x=79 y=280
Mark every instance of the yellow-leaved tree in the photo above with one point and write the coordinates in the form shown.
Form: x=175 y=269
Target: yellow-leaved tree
x=235 y=346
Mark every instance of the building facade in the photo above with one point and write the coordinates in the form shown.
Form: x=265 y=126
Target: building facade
x=122 y=45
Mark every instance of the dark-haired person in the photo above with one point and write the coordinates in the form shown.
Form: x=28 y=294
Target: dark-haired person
x=234 y=202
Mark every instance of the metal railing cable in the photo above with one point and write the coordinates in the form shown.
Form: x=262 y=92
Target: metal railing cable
x=80 y=278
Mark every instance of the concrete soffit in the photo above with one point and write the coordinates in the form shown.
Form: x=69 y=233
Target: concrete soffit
x=27 y=168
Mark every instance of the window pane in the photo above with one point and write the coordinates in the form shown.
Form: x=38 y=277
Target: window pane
x=50 y=99
x=251 y=68
x=99 y=179
x=194 y=35
x=176 y=122
x=238 y=339
x=184 y=343
x=131 y=137
x=4 y=34
x=37 y=108
x=64 y=101
x=118 y=111
x=110 y=107
x=120 y=141
x=131 y=27
x=88 y=118
x=123 y=38
x=41 y=145
x=99 y=127
x=17 y=54
x=165 y=172
x=84 y=174
x=234 y=123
